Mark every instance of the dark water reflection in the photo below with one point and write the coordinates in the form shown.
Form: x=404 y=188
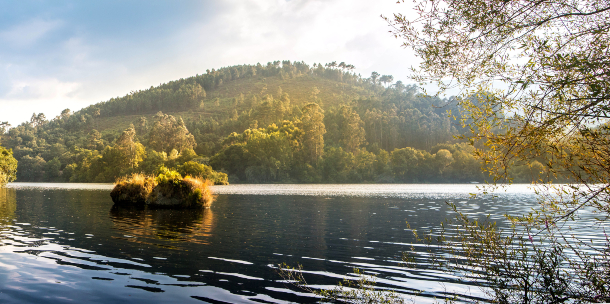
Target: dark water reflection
x=139 y=225
x=71 y=245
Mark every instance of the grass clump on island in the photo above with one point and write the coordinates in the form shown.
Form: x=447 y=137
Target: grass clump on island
x=133 y=189
x=167 y=189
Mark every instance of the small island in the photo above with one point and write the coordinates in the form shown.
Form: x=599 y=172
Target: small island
x=167 y=190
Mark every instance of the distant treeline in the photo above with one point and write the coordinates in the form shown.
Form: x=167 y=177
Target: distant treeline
x=282 y=122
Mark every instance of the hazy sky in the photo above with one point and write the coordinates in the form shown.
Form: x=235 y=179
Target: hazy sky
x=59 y=54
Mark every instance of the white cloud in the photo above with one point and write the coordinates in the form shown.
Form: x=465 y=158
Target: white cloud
x=27 y=33
x=314 y=31
x=48 y=89
x=48 y=96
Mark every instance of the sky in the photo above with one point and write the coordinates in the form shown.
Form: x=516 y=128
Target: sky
x=60 y=54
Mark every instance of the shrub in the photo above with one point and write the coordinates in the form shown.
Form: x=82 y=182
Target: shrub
x=133 y=189
x=167 y=176
x=199 y=189
x=196 y=169
x=167 y=189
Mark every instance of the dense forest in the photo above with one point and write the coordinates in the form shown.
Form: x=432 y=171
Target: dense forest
x=275 y=123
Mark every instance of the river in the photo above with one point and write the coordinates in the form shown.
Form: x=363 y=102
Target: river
x=65 y=243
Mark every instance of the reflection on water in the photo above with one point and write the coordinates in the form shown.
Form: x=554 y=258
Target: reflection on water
x=7 y=205
x=70 y=245
x=138 y=224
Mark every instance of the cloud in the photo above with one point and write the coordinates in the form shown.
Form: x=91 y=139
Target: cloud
x=41 y=89
x=28 y=33
x=250 y=31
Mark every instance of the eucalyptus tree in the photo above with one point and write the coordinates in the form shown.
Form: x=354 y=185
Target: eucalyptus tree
x=312 y=124
x=351 y=130
x=131 y=151
x=169 y=133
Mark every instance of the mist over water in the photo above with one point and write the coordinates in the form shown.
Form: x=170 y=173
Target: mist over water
x=69 y=244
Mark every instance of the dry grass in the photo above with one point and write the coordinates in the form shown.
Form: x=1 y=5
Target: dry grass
x=133 y=189
x=200 y=189
x=141 y=190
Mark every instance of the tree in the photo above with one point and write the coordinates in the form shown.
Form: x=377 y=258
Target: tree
x=443 y=159
x=66 y=113
x=4 y=125
x=142 y=125
x=52 y=169
x=386 y=79
x=31 y=169
x=37 y=120
x=534 y=82
x=169 y=133
x=8 y=166
x=407 y=164
x=94 y=140
x=196 y=169
x=313 y=128
x=374 y=77
x=131 y=152
x=351 y=130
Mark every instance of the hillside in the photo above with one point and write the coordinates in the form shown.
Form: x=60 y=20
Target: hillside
x=282 y=122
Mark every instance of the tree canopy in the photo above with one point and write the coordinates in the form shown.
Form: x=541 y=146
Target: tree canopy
x=258 y=123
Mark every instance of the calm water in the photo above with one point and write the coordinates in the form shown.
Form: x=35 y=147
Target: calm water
x=65 y=243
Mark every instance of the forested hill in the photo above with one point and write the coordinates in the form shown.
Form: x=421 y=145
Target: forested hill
x=280 y=122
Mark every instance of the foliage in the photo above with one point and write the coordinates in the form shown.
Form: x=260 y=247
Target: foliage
x=167 y=176
x=31 y=168
x=129 y=134
x=192 y=168
x=313 y=127
x=8 y=166
x=534 y=83
x=199 y=192
x=169 y=133
x=133 y=189
x=351 y=130
x=189 y=191
x=167 y=185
